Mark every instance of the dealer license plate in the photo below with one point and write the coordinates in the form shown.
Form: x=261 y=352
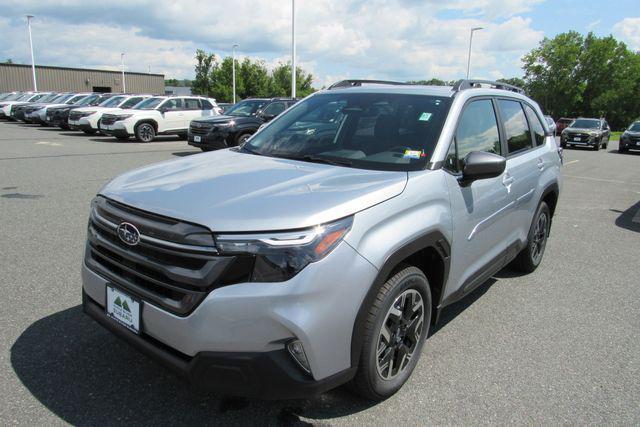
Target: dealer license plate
x=123 y=308
x=576 y=139
x=197 y=139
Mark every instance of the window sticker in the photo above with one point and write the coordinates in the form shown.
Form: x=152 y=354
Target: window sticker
x=424 y=117
x=414 y=154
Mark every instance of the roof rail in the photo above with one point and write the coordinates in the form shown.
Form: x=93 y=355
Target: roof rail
x=355 y=83
x=470 y=84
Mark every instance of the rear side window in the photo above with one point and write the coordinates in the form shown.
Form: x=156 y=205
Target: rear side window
x=515 y=126
x=192 y=104
x=206 y=105
x=536 y=126
x=131 y=102
x=173 y=104
x=477 y=131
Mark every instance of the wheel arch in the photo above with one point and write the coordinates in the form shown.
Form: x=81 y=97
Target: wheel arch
x=431 y=253
x=153 y=122
x=550 y=196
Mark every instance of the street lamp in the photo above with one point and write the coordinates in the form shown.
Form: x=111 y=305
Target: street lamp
x=233 y=71
x=124 y=84
x=469 y=56
x=33 y=62
x=293 y=48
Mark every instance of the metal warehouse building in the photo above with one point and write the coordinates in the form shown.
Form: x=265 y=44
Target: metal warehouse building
x=62 y=79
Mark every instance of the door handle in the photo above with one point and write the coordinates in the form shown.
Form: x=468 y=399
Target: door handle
x=507 y=180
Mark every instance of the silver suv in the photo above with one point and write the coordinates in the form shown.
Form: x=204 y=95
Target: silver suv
x=323 y=250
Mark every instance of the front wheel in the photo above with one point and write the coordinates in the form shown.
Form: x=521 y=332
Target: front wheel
x=145 y=132
x=597 y=146
x=396 y=328
x=242 y=138
x=530 y=257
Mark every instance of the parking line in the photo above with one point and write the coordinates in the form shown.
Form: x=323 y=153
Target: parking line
x=572 y=161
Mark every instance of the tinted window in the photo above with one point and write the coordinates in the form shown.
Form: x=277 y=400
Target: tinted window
x=129 y=103
x=477 y=131
x=274 y=109
x=206 y=105
x=515 y=126
x=536 y=126
x=172 y=104
x=192 y=104
x=245 y=108
x=365 y=130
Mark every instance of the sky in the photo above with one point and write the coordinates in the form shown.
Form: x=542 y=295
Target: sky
x=336 y=39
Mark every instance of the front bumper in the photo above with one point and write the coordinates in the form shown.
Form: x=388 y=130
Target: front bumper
x=629 y=144
x=591 y=141
x=318 y=307
x=118 y=129
x=212 y=140
x=266 y=375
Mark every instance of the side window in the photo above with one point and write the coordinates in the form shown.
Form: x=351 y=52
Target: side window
x=477 y=131
x=605 y=126
x=129 y=103
x=515 y=125
x=206 y=105
x=536 y=126
x=173 y=104
x=192 y=104
x=274 y=109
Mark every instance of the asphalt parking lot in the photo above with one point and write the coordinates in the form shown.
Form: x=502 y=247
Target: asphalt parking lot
x=560 y=346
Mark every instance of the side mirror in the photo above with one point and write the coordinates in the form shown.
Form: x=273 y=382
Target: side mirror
x=482 y=165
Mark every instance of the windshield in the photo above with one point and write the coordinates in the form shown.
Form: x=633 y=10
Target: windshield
x=113 y=101
x=149 y=104
x=635 y=127
x=363 y=130
x=245 y=108
x=75 y=99
x=14 y=97
x=36 y=97
x=586 y=124
x=48 y=98
x=87 y=100
x=24 y=97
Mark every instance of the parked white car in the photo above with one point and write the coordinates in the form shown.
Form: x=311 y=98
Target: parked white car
x=40 y=115
x=18 y=98
x=86 y=119
x=160 y=115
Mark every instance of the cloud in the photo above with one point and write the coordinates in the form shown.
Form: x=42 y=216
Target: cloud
x=390 y=39
x=629 y=31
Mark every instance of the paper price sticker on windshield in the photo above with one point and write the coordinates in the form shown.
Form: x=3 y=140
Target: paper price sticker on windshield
x=424 y=117
x=413 y=154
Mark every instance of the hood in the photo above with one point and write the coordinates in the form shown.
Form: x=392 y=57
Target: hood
x=225 y=119
x=632 y=133
x=230 y=191
x=582 y=130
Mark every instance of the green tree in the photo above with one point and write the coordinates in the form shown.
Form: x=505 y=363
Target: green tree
x=202 y=82
x=281 y=81
x=514 y=81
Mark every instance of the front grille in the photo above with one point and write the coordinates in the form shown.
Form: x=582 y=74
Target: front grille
x=200 y=128
x=75 y=115
x=108 y=119
x=174 y=266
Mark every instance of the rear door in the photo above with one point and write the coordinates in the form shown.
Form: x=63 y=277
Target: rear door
x=173 y=115
x=524 y=136
x=480 y=210
x=193 y=109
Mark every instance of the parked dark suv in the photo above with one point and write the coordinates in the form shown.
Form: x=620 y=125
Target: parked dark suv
x=630 y=139
x=237 y=124
x=583 y=132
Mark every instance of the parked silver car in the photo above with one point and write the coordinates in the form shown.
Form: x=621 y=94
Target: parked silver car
x=323 y=249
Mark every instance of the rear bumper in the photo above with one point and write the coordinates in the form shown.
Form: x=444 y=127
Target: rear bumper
x=264 y=375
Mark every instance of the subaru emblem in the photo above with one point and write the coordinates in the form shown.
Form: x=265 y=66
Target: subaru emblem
x=128 y=233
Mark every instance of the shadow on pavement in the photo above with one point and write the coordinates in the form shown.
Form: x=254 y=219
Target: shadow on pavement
x=185 y=153
x=85 y=376
x=629 y=219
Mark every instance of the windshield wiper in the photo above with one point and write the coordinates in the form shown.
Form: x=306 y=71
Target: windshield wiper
x=317 y=159
x=246 y=150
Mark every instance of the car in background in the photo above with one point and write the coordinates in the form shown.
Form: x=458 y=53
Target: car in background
x=159 y=115
x=585 y=132
x=237 y=124
x=18 y=111
x=17 y=99
x=552 y=124
x=59 y=116
x=562 y=123
x=224 y=106
x=630 y=139
x=86 y=118
x=39 y=113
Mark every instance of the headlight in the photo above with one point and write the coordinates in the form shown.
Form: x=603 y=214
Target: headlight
x=624 y=136
x=280 y=256
x=123 y=117
x=87 y=113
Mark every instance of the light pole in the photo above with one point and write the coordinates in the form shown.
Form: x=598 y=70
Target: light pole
x=233 y=71
x=469 y=56
x=124 y=84
x=293 y=48
x=33 y=62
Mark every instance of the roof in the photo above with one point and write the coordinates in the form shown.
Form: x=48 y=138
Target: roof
x=52 y=67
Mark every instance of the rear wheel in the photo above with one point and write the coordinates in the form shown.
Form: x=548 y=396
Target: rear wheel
x=145 y=132
x=395 y=331
x=530 y=257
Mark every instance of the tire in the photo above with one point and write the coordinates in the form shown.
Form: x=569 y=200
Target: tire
x=597 y=146
x=530 y=257
x=375 y=378
x=205 y=149
x=242 y=138
x=563 y=144
x=145 y=132
x=122 y=138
